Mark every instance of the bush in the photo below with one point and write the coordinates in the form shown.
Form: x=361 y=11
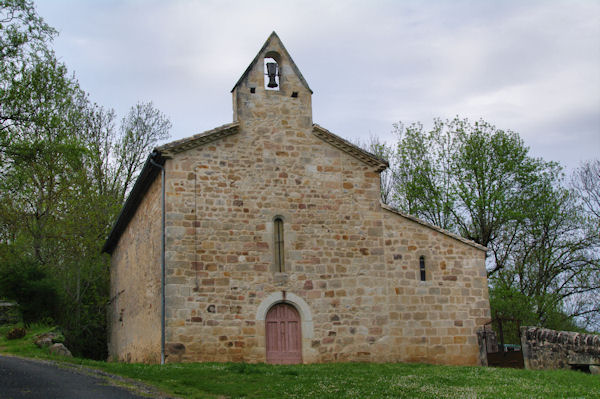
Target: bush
x=510 y=303
x=16 y=333
x=82 y=322
x=26 y=282
x=88 y=341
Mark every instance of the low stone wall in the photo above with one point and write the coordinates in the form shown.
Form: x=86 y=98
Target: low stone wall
x=549 y=349
x=9 y=313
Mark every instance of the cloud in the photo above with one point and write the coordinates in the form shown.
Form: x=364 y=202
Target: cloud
x=533 y=67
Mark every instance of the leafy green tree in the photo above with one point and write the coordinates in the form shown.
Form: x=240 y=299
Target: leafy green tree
x=474 y=179
x=27 y=282
x=518 y=309
x=494 y=176
x=64 y=173
x=23 y=31
x=480 y=182
x=23 y=42
x=425 y=185
x=41 y=154
x=554 y=262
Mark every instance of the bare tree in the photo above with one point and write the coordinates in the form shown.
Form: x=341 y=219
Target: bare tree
x=385 y=152
x=142 y=128
x=116 y=156
x=586 y=181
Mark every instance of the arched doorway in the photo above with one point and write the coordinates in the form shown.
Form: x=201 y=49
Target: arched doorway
x=283 y=335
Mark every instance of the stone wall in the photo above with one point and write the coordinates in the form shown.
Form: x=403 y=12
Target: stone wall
x=435 y=320
x=9 y=313
x=134 y=310
x=549 y=349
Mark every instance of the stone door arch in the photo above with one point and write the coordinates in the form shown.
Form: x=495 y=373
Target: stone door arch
x=283 y=335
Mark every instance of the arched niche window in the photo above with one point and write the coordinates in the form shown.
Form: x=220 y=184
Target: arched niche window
x=279 y=254
x=271 y=67
x=422 y=268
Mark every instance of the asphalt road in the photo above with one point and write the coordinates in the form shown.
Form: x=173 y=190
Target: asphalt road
x=21 y=378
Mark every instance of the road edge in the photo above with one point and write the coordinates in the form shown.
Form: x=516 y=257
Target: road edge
x=132 y=385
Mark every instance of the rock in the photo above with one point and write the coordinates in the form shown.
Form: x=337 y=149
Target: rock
x=43 y=342
x=47 y=339
x=16 y=333
x=61 y=350
x=595 y=370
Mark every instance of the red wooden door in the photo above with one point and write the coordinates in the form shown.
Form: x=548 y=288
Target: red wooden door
x=283 y=335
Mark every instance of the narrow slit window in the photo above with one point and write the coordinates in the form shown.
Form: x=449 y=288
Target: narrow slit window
x=279 y=250
x=422 y=268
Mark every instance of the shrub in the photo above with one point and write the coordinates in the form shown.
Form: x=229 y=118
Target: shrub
x=16 y=333
x=26 y=282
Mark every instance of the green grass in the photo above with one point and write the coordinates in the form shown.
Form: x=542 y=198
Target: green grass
x=340 y=380
x=24 y=346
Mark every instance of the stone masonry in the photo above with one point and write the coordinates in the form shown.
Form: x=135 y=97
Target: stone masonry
x=134 y=308
x=550 y=349
x=352 y=264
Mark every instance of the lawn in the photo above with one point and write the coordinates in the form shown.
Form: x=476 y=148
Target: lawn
x=341 y=380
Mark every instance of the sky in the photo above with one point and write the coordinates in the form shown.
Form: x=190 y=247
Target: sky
x=528 y=66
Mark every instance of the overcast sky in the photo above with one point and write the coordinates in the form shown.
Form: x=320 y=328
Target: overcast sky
x=528 y=66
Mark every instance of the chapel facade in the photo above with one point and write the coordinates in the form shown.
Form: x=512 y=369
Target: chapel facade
x=277 y=247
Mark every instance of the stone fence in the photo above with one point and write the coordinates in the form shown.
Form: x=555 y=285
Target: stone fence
x=9 y=313
x=548 y=349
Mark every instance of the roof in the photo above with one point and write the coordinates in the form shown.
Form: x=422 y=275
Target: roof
x=187 y=143
x=161 y=153
x=433 y=227
x=272 y=36
x=349 y=148
x=149 y=173
x=141 y=186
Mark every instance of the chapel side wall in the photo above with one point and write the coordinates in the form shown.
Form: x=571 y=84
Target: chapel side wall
x=436 y=320
x=134 y=312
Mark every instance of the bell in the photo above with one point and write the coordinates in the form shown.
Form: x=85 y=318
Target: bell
x=272 y=73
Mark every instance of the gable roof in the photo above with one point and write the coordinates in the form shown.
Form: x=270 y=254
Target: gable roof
x=141 y=186
x=187 y=143
x=370 y=159
x=273 y=36
x=433 y=227
x=161 y=153
x=150 y=172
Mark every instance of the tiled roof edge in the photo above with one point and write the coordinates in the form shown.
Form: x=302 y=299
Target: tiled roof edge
x=350 y=148
x=187 y=143
x=433 y=227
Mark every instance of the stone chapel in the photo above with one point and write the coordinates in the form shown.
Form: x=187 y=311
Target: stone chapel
x=264 y=240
